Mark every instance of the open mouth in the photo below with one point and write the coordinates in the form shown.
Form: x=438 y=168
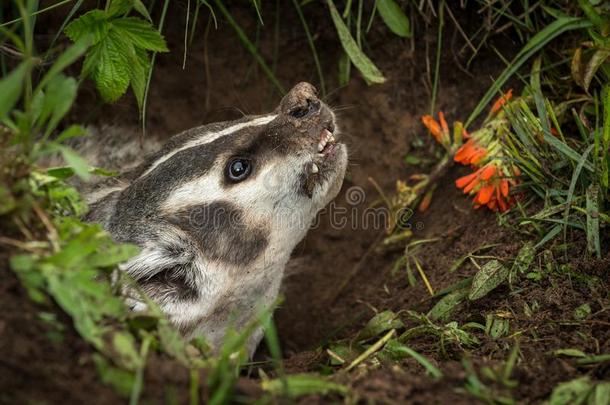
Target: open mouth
x=325 y=147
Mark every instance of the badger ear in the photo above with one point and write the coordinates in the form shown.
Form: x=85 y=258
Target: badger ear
x=102 y=208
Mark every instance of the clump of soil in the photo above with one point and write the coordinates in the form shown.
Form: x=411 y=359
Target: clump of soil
x=338 y=277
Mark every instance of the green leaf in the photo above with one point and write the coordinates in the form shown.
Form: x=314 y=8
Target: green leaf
x=297 y=385
x=582 y=312
x=76 y=162
x=398 y=351
x=358 y=58
x=119 y=7
x=58 y=98
x=569 y=352
x=393 y=16
x=573 y=392
x=380 y=323
x=524 y=258
x=446 y=305
x=141 y=8
x=10 y=88
x=72 y=131
x=94 y=23
x=596 y=61
x=138 y=73
x=140 y=33
x=125 y=346
x=113 y=255
x=491 y=275
x=601 y=394
x=107 y=64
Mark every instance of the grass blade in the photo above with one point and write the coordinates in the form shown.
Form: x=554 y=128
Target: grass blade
x=393 y=16
x=358 y=58
x=536 y=43
x=395 y=346
x=593 y=245
x=312 y=46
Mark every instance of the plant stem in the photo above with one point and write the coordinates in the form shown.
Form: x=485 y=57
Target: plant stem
x=439 y=45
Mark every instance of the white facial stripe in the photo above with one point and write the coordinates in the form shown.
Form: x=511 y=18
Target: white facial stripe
x=210 y=137
x=274 y=180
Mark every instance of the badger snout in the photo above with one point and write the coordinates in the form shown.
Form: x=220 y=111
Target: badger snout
x=313 y=132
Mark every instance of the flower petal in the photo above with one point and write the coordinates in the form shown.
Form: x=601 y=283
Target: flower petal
x=488 y=171
x=485 y=194
x=504 y=187
x=465 y=180
x=432 y=126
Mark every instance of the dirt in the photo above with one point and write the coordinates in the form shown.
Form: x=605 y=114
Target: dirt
x=338 y=277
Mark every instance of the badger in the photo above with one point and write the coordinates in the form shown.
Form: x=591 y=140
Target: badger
x=218 y=209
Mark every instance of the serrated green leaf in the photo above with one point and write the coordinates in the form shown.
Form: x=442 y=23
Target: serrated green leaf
x=491 y=275
x=107 y=65
x=94 y=23
x=119 y=7
x=10 y=88
x=358 y=58
x=138 y=73
x=393 y=16
x=140 y=33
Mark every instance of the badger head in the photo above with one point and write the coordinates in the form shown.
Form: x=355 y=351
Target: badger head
x=218 y=210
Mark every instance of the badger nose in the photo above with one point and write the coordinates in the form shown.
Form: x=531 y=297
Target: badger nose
x=301 y=101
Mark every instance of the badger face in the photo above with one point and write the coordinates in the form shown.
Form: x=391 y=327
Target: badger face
x=218 y=210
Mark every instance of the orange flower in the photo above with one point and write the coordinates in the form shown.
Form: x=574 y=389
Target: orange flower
x=501 y=101
x=439 y=129
x=489 y=186
x=433 y=126
x=470 y=153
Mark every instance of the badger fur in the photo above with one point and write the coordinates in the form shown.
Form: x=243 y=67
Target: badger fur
x=214 y=245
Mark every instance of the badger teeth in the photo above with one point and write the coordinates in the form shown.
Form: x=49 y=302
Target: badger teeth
x=325 y=137
x=314 y=168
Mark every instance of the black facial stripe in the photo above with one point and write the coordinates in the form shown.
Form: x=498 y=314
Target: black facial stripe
x=177 y=141
x=221 y=232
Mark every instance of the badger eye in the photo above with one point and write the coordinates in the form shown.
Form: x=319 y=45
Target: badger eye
x=238 y=169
